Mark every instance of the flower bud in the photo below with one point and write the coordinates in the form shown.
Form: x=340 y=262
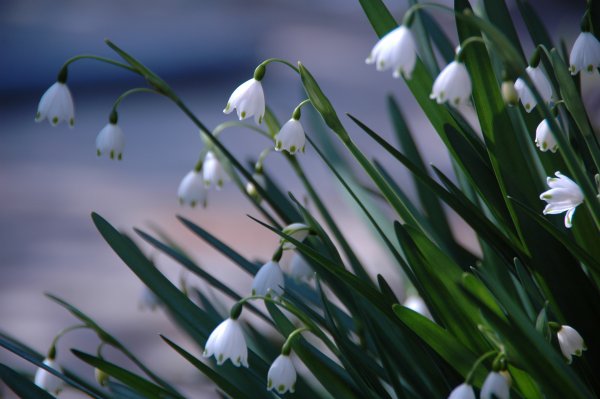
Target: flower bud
x=101 y=377
x=509 y=94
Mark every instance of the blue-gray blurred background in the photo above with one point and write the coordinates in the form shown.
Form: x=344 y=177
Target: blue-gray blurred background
x=51 y=179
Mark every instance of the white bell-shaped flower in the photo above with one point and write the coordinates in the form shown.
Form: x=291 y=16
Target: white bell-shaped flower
x=57 y=105
x=463 y=391
x=396 y=51
x=585 y=54
x=291 y=137
x=227 y=341
x=298 y=231
x=148 y=299
x=540 y=81
x=570 y=342
x=282 y=375
x=191 y=190
x=213 y=172
x=453 y=85
x=495 y=386
x=544 y=139
x=300 y=269
x=251 y=190
x=564 y=196
x=49 y=381
x=111 y=141
x=416 y=303
x=268 y=280
x=249 y=100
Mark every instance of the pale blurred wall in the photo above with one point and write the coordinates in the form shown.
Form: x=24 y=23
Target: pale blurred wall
x=51 y=179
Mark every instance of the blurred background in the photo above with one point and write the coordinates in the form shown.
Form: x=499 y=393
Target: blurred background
x=51 y=179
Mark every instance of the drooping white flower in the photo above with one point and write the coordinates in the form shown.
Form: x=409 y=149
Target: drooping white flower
x=251 y=189
x=540 y=81
x=268 y=280
x=111 y=141
x=585 y=55
x=396 y=51
x=544 y=138
x=453 y=84
x=564 y=196
x=191 y=190
x=49 y=381
x=463 y=391
x=148 y=299
x=213 y=172
x=416 y=303
x=300 y=269
x=495 y=386
x=227 y=341
x=56 y=104
x=298 y=231
x=249 y=100
x=570 y=342
x=291 y=137
x=282 y=375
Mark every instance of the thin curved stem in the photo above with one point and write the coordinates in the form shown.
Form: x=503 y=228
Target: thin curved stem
x=467 y=42
x=477 y=363
x=127 y=94
x=226 y=125
x=98 y=58
x=281 y=61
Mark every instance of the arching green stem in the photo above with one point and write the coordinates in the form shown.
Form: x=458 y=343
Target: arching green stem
x=113 y=114
x=62 y=74
x=296 y=114
x=482 y=358
x=226 y=125
x=52 y=350
x=287 y=345
x=279 y=60
x=475 y=39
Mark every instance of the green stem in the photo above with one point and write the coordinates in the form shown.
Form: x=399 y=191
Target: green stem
x=296 y=114
x=482 y=358
x=475 y=39
x=226 y=125
x=279 y=60
x=52 y=350
x=97 y=58
x=287 y=345
x=113 y=114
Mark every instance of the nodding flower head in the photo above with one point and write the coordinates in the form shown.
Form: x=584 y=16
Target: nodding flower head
x=249 y=100
x=111 y=141
x=227 y=341
x=282 y=375
x=49 y=381
x=453 y=85
x=191 y=190
x=291 y=137
x=585 y=55
x=564 y=196
x=395 y=51
x=57 y=105
x=541 y=83
x=213 y=172
x=268 y=280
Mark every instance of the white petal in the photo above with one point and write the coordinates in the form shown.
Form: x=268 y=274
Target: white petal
x=544 y=138
x=396 y=51
x=282 y=375
x=585 y=55
x=227 y=341
x=300 y=269
x=213 y=172
x=416 y=303
x=291 y=137
x=111 y=141
x=570 y=342
x=463 y=391
x=249 y=100
x=268 y=280
x=495 y=386
x=191 y=190
x=453 y=84
x=48 y=381
x=57 y=105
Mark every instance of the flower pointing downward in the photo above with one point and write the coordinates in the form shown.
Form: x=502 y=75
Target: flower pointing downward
x=453 y=84
x=495 y=386
x=585 y=55
x=56 y=104
x=396 y=51
x=570 y=342
x=291 y=137
x=227 y=342
x=564 y=196
x=47 y=380
x=544 y=138
x=268 y=280
x=191 y=190
x=282 y=375
x=111 y=141
x=463 y=391
x=249 y=100
x=213 y=172
x=298 y=231
x=540 y=81
x=300 y=269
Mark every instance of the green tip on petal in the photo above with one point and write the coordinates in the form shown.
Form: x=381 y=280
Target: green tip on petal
x=72 y=122
x=227 y=107
x=98 y=153
x=292 y=149
x=120 y=157
x=269 y=384
x=281 y=388
x=220 y=358
x=456 y=101
x=590 y=68
x=193 y=204
x=55 y=120
x=528 y=106
x=547 y=196
x=112 y=154
x=243 y=114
